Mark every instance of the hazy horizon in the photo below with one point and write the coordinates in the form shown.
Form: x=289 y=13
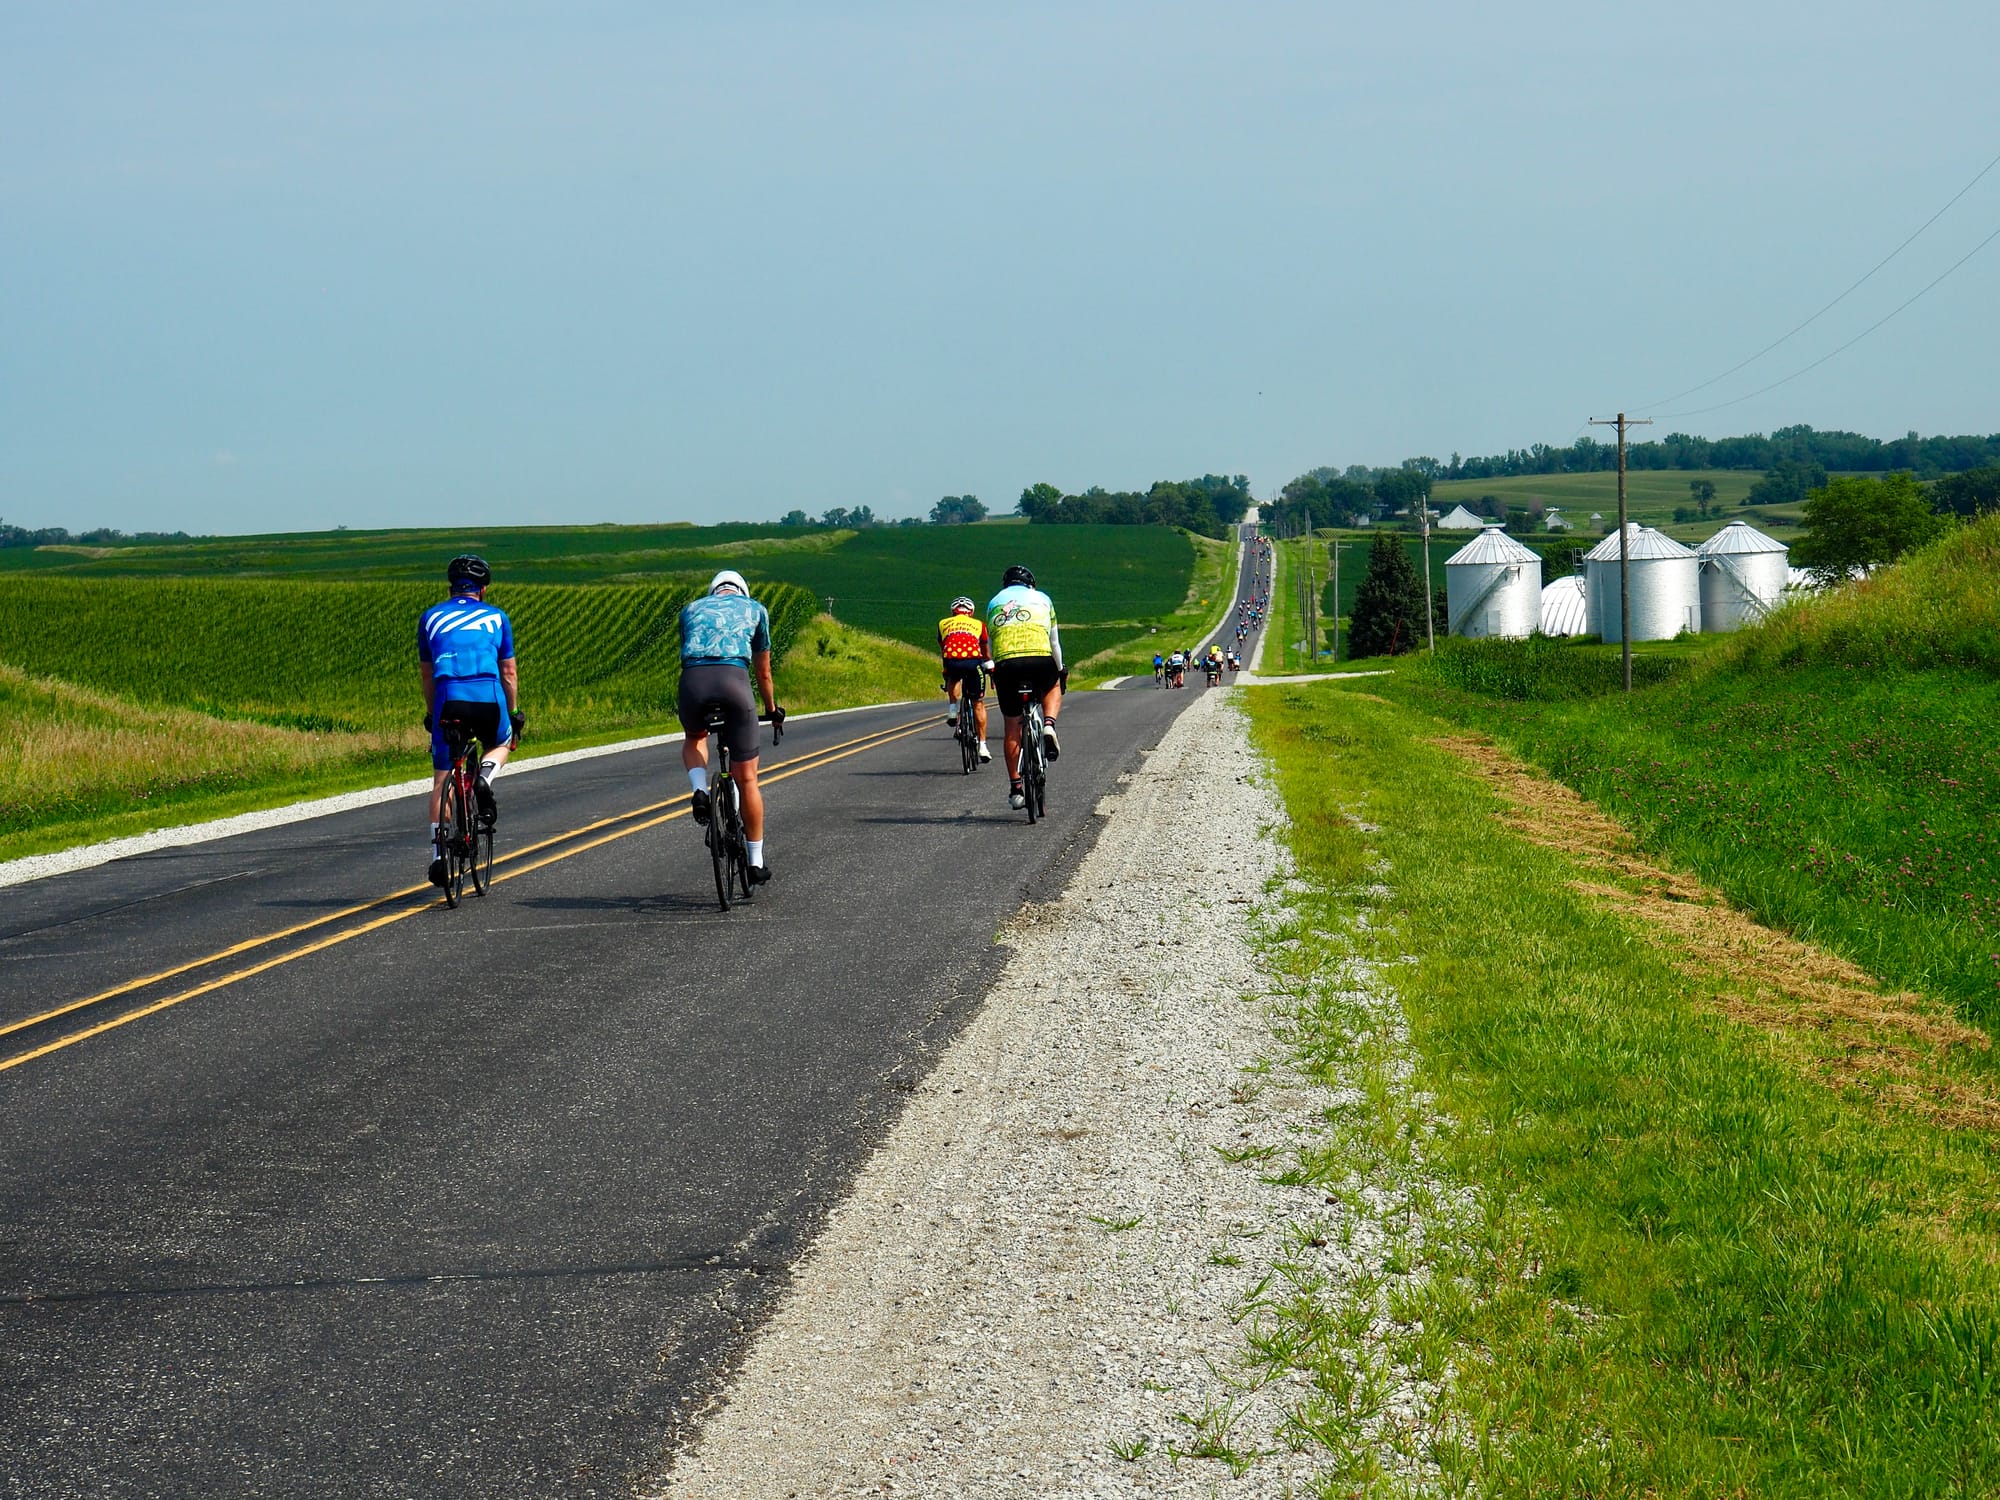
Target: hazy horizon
x=622 y=262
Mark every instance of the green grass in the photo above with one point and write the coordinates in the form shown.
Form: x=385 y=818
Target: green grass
x=1101 y=653
x=1651 y=497
x=1692 y=1269
x=1833 y=770
x=836 y=666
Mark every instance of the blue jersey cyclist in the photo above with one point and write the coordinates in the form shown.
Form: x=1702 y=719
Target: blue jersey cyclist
x=725 y=637
x=1027 y=657
x=465 y=648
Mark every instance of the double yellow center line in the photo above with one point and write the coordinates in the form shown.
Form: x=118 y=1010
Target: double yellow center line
x=508 y=867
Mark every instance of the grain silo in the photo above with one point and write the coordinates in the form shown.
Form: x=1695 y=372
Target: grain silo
x=1565 y=607
x=1743 y=576
x=1665 y=585
x=1494 y=587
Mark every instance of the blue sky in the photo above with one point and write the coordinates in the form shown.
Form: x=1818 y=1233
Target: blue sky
x=267 y=266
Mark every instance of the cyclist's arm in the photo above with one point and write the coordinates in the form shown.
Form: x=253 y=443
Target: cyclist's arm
x=510 y=679
x=430 y=687
x=1055 y=640
x=760 y=663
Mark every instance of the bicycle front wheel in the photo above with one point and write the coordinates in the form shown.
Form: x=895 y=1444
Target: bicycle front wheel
x=482 y=858
x=718 y=841
x=457 y=836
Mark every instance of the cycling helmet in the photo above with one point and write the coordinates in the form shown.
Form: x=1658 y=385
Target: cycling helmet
x=728 y=578
x=1017 y=574
x=962 y=605
x=468 y=571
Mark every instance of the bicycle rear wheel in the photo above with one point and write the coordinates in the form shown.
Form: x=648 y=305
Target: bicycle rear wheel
x=721 y=807
x=1031 y=763
x=457 y=833
x=967 y=756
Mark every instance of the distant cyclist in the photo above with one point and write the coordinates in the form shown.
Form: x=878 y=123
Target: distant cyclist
x=1159 y=668
x=962 y=644
x=465 y=647
x=1027 y=654
x=725 y=636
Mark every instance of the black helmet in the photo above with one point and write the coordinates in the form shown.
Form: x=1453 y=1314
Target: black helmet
x=468 y=569
x=1017 y=574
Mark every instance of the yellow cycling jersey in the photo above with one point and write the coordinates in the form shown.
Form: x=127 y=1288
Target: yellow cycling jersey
x=962 y=638
x=1021 y=622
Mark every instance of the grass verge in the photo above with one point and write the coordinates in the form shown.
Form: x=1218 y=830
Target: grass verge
x=1695 y=1267
x=1211 y=592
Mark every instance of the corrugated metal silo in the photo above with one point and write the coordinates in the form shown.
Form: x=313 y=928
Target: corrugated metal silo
x=1494 y=587
x=1743 y=576
x=1565 y=607
x=1665 y=585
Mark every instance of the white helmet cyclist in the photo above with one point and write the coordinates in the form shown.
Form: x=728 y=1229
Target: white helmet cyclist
x=728 y=578
x=962 y=605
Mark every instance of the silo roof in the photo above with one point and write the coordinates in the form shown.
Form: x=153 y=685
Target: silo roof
x=1563 y=611
x=1492 y=545
x=1739 y=538
x=1642 y=544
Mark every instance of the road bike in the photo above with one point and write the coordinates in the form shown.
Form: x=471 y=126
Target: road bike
x=467 y=840
x=965 y=728
x=1034 y=763
x=728 y=846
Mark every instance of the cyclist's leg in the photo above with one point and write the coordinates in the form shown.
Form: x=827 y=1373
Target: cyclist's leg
x=751 y=800
x=1051 y=706
x=977 y=684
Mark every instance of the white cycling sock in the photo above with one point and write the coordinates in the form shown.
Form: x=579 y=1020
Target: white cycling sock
x=756 y=848
x=698 y=778
x=488 y=770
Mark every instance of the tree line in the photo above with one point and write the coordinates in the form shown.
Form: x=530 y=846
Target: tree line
x=1209 y=506
x=103 y=536
x=1925 y=457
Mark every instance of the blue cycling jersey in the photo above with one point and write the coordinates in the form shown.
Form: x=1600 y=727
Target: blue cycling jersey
x=463 y=641
x=725 y=630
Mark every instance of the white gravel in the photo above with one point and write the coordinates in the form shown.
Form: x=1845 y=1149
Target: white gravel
x=1042 y=1283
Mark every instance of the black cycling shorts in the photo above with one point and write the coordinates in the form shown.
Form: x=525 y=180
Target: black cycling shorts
x=487 y=722
x=706 y=685
x=1037 y=674
x=970 y=675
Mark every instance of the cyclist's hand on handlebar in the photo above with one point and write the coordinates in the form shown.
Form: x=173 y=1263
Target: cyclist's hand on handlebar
x=777 y=721
x=518 y=722
x=429 y=727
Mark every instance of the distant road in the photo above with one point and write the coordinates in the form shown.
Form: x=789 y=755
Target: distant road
x=314 y=1188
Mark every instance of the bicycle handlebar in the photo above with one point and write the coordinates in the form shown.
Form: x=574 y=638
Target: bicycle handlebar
x=776 y=719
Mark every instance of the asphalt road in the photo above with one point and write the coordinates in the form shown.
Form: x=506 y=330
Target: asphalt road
x=312 y=1187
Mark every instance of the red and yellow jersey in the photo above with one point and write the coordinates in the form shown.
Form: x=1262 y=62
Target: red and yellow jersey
x=962 y=638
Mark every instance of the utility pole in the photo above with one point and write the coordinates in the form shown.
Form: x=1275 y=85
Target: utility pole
x=1621 y=422
x=1334 y=548
x=1430 y=625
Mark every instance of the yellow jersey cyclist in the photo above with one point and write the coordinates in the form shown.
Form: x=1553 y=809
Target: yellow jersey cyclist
x=1027 y=654
x=725 y=637
x=465 y=649
x=962 y=645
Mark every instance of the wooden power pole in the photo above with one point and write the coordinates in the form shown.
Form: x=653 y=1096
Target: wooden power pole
x=1621 y=422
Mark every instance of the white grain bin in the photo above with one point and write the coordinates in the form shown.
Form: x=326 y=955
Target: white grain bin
x=1743 y=576
x=1565 y=607
x=1665 y=585
x=1494 y=587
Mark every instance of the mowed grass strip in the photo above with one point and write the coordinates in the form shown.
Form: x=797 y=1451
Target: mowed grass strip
x=1702 y=1269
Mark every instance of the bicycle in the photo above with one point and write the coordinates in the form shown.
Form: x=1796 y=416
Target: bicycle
x=467 y=841
x=965 y=729
x=728 y=846
x=1034 y=764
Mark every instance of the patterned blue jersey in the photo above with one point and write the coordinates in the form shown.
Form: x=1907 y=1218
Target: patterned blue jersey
x=463 y=641
x=724 y=628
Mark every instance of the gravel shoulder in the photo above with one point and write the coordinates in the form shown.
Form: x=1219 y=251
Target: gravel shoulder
x=1042 y=1283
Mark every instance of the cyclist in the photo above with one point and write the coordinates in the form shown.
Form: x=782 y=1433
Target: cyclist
x=725 y=636
x=1027 y=654
x=962 y=644
x=1159 y=669
x=465 y=648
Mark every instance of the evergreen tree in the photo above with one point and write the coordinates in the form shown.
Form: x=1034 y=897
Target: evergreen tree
x=1389 y=606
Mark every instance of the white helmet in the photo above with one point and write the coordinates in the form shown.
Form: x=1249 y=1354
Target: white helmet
x=728 y=578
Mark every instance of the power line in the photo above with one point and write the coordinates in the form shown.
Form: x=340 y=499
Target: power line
x=1786 y=380
x=1782 y=338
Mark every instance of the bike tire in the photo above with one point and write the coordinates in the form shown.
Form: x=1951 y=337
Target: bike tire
x=718 y=841
x=482 y=859
x=454 y=842
x=967 y=757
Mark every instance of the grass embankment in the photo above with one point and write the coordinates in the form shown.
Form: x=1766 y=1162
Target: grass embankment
x=1704 y=1258
x=1833 y=770
x=1211 y=589
x=836 y=666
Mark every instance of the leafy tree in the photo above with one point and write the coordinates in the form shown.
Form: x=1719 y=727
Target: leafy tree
x=1789 y=480
x=837 y=516
x=1401 y=489
x=1039 y=501
x=1703 y=491
x=796 y=518
x=958 y=510
x=1858 y=522
x=1973 y=493
x=1388 y=617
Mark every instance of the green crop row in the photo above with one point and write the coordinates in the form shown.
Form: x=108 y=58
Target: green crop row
x=342 y=656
